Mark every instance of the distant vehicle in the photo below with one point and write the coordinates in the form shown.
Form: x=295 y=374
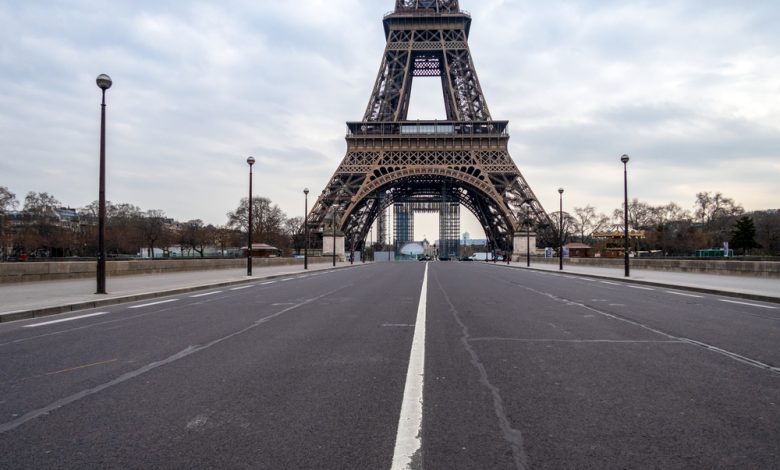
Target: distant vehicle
x=423 y=258
x=481 y=256
x=466 y=258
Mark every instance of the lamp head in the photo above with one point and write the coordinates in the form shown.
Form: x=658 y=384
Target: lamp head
x=560 y=190
x=251 y=161
x=306 y=191
x=624 y=159
x=103 y=82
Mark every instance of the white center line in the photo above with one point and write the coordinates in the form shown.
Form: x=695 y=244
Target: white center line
x=66 y=319
x=748 y=304
x=610 y=283
x=266 y=283
x=408 y=441
x=685 y=295
x=206 y=294
x=243 y=287
x=154 y=303
x=288 y=279
x=641 y=288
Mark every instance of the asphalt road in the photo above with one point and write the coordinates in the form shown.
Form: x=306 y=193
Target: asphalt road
x=521 y=370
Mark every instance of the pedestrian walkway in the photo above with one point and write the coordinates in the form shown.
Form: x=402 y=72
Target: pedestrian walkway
x=25 y=300
x=740 y=286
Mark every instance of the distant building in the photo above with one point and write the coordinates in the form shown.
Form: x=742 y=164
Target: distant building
x=579 y=250
x=474 y=242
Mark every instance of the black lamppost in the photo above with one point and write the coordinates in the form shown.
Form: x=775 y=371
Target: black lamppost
x=250 y=161
x=306 y=229
x=560 y=220
x=625 y=159
x=104 y=83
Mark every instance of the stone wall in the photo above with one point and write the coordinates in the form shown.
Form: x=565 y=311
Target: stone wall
x=766 y=269
x=30 y=271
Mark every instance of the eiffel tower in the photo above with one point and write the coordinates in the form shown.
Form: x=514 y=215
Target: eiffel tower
x=463 y=161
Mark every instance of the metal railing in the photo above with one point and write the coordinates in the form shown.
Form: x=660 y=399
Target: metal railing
x=429 y=128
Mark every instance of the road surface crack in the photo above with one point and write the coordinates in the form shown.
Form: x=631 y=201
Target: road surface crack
x=513 y=436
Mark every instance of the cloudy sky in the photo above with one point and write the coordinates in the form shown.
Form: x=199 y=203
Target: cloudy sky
x=689 y=88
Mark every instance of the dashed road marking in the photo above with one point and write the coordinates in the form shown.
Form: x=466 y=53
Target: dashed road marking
x=66 y=319
x=641 y=288
x=748 y=304
x=267 y=283
x=206 y=294
x=610 y=283
x=685 y=295
x=243 y=287
x=154 y=303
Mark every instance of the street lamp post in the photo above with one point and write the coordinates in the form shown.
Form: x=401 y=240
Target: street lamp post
x=560 y=220
x=306 y=229
x=104 y=83
x=625 y=159
x=251 y=162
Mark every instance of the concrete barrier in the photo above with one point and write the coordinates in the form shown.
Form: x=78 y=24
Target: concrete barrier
x=764 y=269
x=46 y=271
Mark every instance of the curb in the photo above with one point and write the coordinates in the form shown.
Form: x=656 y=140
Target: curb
x=48 y=311
x=701 y=290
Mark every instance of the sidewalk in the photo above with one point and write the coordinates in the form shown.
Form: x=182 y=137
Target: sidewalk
x=34 y=299
x=756 y=288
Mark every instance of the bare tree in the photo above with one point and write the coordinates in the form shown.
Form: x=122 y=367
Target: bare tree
x=710 y=207
x=768 y=231
x=8 y=203
x=716 y=214
x=293 y=227
x=551 y=235
x=196 y=235
x=8 y=200
x=585 y=221
x=40 y=203
x=267 y=221
x=666 y=221
x=227 y=238
x=639 y=215
x=153 y=229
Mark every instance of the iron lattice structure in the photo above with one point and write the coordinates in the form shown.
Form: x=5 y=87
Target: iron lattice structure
x=449 y=222
x=463 y=160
